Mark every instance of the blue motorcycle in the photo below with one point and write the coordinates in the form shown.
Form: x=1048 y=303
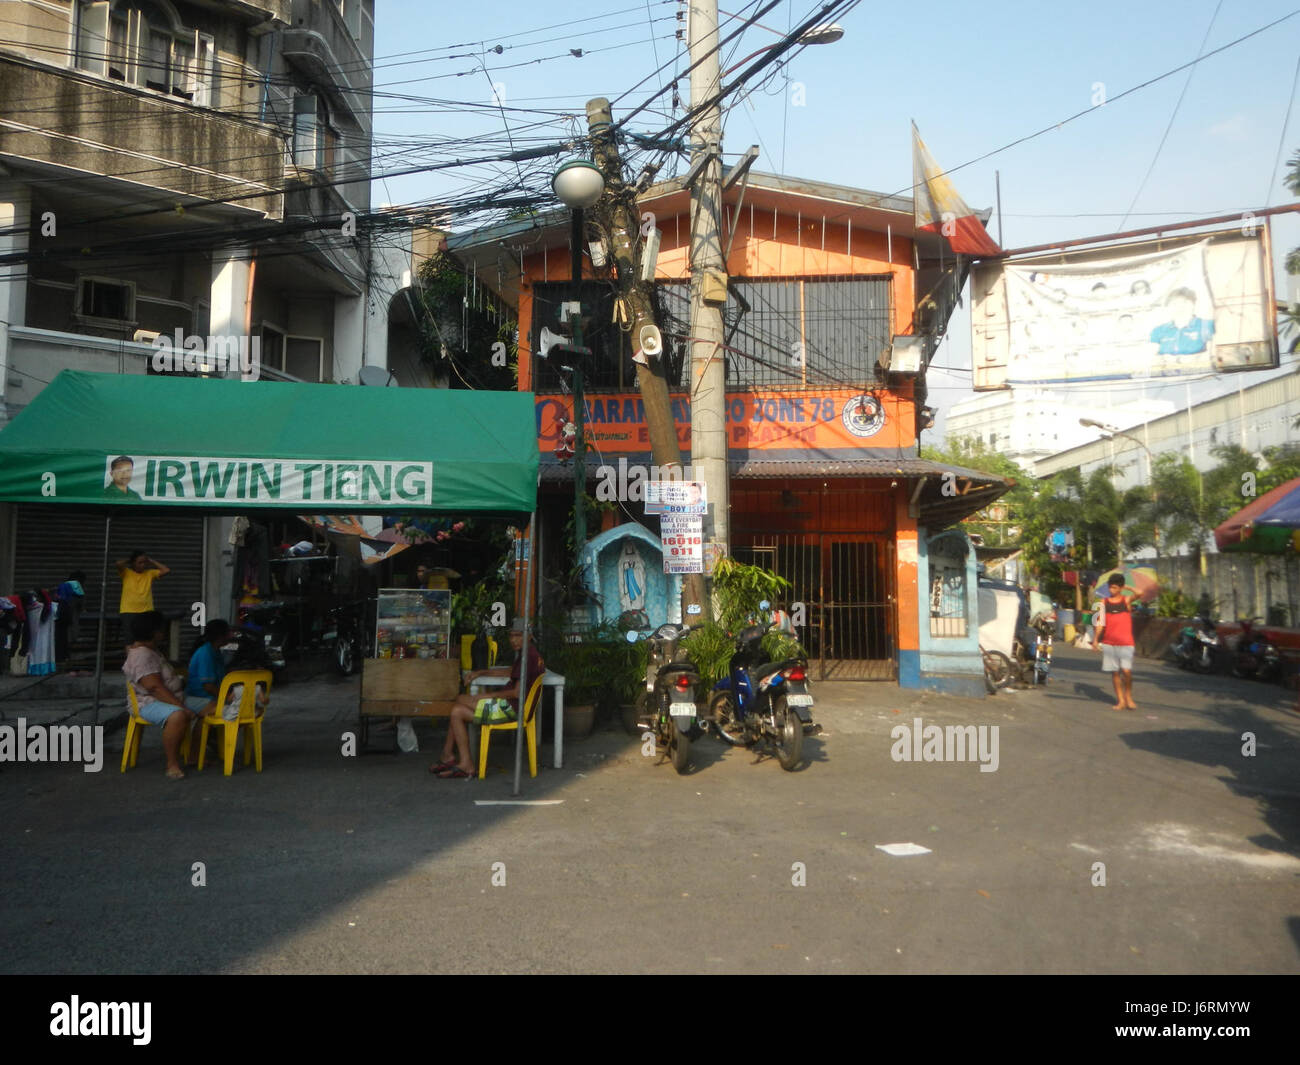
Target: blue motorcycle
x=760 y=701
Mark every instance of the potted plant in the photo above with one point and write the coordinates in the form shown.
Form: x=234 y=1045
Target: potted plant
x=580 y=665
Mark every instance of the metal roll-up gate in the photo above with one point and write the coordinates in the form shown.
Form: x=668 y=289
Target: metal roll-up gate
x=52 y=542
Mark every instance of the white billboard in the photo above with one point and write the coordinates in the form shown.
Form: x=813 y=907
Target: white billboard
x=1191 y=305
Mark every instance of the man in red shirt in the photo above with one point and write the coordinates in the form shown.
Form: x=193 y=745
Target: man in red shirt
x=1115 y=642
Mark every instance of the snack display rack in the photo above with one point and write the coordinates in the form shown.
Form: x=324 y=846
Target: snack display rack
x=411 y=672
x=413 y=623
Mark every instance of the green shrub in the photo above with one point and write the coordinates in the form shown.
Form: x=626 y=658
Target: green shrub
x=1175 y=604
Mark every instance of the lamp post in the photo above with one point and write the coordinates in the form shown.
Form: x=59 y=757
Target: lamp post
x=579 y=184
x=1113 y=432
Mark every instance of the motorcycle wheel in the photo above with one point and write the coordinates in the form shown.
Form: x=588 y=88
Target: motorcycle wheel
x=345 y=656
x=680 y=746
x=634 y=714
x=1202 y=666
x=789 y=736
x=722 y=711
x=998 y=670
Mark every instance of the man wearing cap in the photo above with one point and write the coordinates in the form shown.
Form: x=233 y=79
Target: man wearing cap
x=1114 y=623
x=502 y=705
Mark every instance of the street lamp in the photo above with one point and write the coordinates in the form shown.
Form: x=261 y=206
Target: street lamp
x=826 y=34
x=1112 y=432
x=579 y=184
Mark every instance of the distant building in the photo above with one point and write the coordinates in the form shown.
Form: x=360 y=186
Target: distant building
x=1258 y=417
x=1027 y=425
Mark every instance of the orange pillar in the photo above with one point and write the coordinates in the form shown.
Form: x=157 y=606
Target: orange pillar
x=907 y=601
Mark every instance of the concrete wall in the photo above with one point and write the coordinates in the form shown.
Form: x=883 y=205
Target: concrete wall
x=1241 y=585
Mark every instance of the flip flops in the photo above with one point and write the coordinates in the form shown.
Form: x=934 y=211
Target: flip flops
x=438 y=767
x=454 y=772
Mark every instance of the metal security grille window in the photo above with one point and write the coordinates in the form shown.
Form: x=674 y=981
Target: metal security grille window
x=948 y=601
x=609 y=368
x=783 y=333
x=795 y=332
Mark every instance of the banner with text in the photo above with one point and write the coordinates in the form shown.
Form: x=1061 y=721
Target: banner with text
x=827 y=423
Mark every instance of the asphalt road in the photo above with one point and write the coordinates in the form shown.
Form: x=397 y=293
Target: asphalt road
x=326 y=863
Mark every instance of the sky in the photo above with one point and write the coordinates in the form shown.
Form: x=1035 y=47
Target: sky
x=975 y=78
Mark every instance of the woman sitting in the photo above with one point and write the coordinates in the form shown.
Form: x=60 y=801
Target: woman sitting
x=207 y=667
x=158 y=689
x=473 y=708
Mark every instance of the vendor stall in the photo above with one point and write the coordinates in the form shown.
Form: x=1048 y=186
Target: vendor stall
x=220 y=446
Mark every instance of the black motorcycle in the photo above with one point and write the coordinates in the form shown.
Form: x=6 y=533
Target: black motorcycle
x=666 y=708
x=1255 y=655
x=342 y=637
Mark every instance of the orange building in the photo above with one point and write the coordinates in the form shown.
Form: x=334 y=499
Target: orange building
x=826 y=485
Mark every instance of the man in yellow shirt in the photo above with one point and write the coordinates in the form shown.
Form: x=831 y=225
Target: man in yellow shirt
x=138 y=574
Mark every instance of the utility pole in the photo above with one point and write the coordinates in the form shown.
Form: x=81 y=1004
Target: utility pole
x=618 y=205
x=708 y=277
x=579 y=403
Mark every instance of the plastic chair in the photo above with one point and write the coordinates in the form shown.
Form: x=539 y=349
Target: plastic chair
x=530 y=730
x=249 y=718
x=135 y=727
x=467 y=645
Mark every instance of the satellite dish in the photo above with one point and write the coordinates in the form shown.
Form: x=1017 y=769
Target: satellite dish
x=376 y=376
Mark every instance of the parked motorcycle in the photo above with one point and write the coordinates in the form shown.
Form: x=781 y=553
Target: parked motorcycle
x=342 y=637
x=1033 y=649
x=1194 y=649
x=761 y=701
x=667 y=707
x=1254 y=654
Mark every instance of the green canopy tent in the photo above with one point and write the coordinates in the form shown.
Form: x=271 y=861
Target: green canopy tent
x=227 y=446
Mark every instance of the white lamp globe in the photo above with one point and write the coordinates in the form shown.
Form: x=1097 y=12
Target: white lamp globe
x=578 y=183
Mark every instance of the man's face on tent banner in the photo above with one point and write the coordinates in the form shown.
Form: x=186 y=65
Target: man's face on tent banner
x=120 y=475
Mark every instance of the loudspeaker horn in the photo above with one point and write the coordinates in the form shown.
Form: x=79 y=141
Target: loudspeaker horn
x=651 y=342
x=548 y=340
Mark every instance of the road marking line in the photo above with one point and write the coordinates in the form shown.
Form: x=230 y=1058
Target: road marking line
x=518 y=802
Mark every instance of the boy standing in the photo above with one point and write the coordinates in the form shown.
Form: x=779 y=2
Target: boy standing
x=1114 y=624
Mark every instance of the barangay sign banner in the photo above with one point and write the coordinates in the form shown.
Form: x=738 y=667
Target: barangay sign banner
x=264 y=481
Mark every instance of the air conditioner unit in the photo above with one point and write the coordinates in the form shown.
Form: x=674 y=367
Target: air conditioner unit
x=146 y=336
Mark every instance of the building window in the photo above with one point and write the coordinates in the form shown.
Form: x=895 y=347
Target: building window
x=105 y=299
x=351 y=12
x=314 y=140
x=145 y=44
x=272 y=347
x=299 y=357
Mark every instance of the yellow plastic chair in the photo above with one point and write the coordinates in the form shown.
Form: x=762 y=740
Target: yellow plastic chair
x=530 y=730
x=467 y=644
x=135 y=727
x=249 y=718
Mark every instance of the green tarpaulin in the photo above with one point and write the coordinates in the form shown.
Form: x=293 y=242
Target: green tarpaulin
x=228 y=445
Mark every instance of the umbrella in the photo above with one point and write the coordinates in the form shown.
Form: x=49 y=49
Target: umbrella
x=1141 y=581
x=1267 y=526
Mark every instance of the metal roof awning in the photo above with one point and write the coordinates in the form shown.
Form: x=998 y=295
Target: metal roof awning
x=942 y=501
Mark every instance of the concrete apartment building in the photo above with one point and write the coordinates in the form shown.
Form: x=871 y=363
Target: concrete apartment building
x=1029 y=425
x=192 y=168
